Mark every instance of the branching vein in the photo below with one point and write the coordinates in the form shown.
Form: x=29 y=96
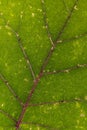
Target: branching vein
x=58 y=37
x=11 y=89
x=66 y=22
x=24 y=52
x=7 y=115
x=67 y=70
x=59 y=102
x=44 y=64
x=74 y=38
x=46 y=22
x=42 y=72
x=21 y=47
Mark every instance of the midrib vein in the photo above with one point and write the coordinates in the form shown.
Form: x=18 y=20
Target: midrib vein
x=36 y=81
x=27 y=101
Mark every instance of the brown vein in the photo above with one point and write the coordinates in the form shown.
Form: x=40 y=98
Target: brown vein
x=24 y=52
x=58 y=102
x=58 y=38
x=46 y=22
x=27 y=101
x=40 y=125
x=74 y=38
x=67 y=70
x=11 y=89
x=7 y=115
x=66 y=22
x=42 y=69
x=21 y=47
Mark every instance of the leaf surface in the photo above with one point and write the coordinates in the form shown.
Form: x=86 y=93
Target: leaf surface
x=43 y=65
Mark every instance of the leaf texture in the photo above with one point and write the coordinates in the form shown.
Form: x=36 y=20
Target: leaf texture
x=43 y=65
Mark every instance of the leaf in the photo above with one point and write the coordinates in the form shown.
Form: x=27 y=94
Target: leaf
x=43 y=65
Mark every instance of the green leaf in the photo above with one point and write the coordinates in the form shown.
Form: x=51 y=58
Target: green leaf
x=43 y=65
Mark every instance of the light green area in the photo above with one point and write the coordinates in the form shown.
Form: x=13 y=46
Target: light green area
x=69 y=116
x=69 y=54
x=26 y=18
x=33 y=127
